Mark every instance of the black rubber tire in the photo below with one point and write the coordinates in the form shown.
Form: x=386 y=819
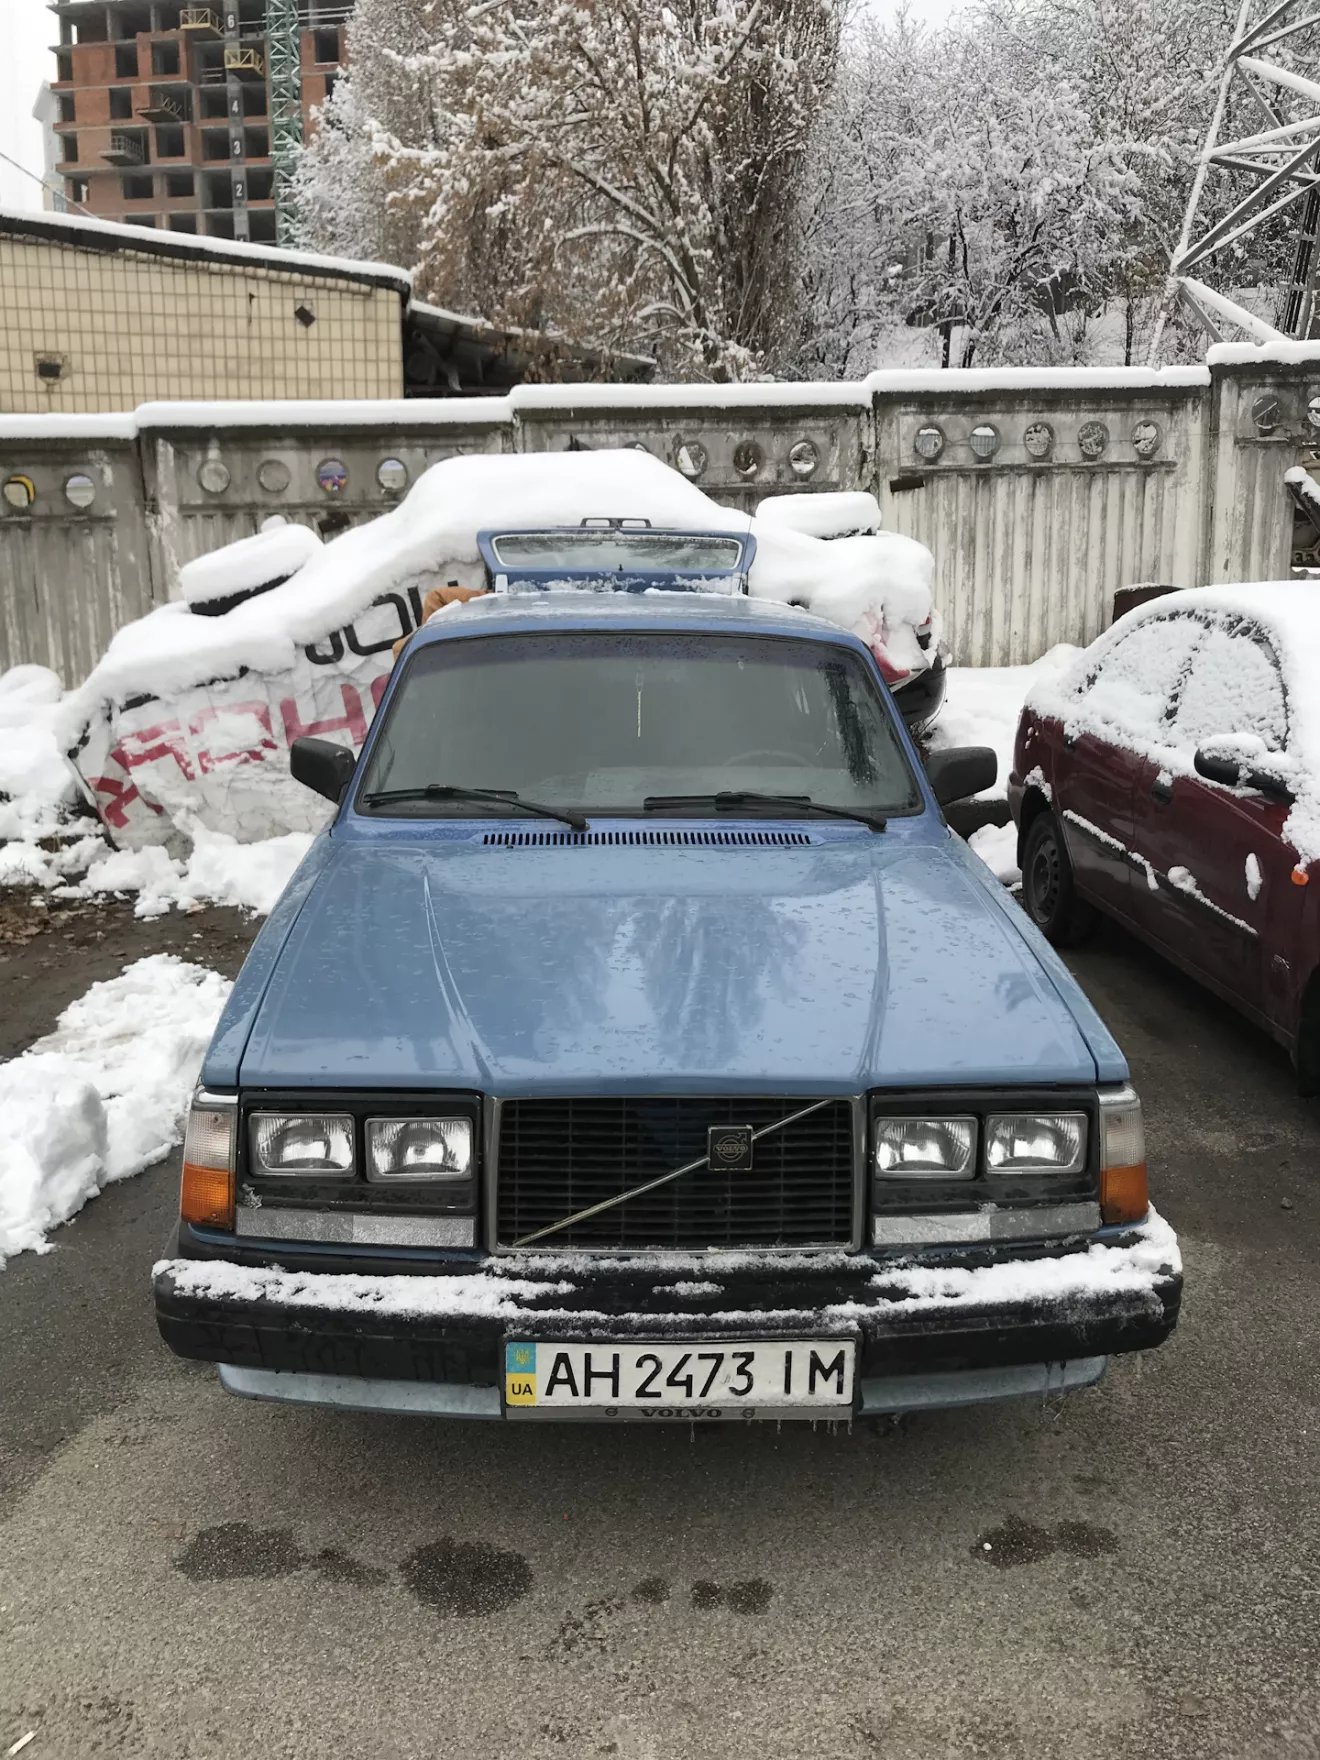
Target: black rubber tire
x=1049 y=892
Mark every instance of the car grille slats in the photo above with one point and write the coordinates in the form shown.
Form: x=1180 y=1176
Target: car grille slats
x=557 y=1157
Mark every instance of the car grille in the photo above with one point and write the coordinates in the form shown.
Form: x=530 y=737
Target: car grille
x=557 y=1157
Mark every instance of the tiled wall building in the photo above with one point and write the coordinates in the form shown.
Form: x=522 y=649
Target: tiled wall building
x=102 y=318
x=165 y=108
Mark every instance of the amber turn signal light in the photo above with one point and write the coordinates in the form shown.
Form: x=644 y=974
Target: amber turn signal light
x=207 y=1196
x=1123 y=1194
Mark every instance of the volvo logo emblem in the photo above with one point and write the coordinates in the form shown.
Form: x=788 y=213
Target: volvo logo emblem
x=729 y=1146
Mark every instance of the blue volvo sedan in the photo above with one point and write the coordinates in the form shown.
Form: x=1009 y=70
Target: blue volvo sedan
x=638 y=1042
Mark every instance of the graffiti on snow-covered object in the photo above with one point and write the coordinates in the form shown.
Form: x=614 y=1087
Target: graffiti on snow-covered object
x=219 y=750
x=192 y=709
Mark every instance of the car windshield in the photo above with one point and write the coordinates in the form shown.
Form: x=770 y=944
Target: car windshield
x=603 y=721
x=615 y=551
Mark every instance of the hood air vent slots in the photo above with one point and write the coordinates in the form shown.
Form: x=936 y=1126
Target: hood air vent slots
x=638 y=839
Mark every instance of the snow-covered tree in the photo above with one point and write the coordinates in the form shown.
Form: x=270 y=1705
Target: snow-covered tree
x=628 y=174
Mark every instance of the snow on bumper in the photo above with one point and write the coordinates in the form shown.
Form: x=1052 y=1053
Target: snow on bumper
x=1105 y=1297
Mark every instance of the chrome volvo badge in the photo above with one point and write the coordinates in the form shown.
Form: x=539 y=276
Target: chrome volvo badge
x=729 y=1146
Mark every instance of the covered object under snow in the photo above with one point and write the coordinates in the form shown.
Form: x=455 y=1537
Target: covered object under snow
x=191 y=715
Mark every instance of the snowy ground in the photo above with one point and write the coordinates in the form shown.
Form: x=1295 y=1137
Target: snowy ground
x=981 y=708
x=101 y=1097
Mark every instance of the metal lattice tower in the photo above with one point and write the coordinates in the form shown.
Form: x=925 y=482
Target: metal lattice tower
x=284 y=78
x=1271 y=71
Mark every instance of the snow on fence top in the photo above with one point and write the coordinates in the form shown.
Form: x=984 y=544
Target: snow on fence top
x=1125 y=704
x=493 y=412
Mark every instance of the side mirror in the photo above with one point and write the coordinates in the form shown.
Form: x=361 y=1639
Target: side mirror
x=1216 y=767
x=322 y=766
x=960 y=771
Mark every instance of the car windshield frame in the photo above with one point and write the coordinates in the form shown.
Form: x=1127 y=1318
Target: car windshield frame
x=373 y=779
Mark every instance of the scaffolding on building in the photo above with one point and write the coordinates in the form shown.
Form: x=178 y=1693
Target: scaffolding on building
x=284 y=80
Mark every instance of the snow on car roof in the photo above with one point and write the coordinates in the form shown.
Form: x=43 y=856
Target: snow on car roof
x=879 y=584
x=1288 y=614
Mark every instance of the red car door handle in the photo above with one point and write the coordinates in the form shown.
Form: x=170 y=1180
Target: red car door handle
x=1161 y=791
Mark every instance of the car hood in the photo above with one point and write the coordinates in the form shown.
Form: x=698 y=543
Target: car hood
x=852 y=963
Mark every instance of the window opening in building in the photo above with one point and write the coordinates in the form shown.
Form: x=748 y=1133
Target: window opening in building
x=140 y=220
x=121 y=104
x=326 y=45
x=70 y=151
x=213 y=105
x=219 y=192
x=67 y=107
x=179 y=184
x=139 y=189
x=256 y=143
x=183 y=222
x=169 y=143
x=215 y=143
x=165 y=58
x=261 y=186
x=261 y=225
x=220 y=225
x=63 y=65
x=126 y=61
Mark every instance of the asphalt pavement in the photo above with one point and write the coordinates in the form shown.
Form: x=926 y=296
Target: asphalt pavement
x=1130 y=1571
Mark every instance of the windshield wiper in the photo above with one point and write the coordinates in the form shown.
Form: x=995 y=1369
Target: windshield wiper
x=498 y=797
x=729 y=799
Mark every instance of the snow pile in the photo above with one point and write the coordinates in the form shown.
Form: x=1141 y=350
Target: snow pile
x=35 y=782
x=220 y=870
x=102 y=1096
x=191 y=716
x=252 y=563
x=826 y=515
x=982 y=705
x=432 y=535
x=1227 y=692
x=997 y=847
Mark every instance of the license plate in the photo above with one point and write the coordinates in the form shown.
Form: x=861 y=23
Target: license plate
x=732 y=1378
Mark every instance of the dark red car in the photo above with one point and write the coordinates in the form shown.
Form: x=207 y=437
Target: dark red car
x=1171 y=779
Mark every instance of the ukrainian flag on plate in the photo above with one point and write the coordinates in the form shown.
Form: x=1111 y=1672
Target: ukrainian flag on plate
x=519 y=1374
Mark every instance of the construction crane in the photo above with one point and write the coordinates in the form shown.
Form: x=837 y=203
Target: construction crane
x=1272 y=74
x=284 y=80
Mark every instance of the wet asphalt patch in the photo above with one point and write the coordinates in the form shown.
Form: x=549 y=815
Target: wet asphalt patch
x=1021 y=1542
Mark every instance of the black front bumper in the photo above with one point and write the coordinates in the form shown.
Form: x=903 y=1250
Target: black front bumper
x=861 y=1296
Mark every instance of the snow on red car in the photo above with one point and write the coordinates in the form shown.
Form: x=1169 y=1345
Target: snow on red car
x=1171 y=779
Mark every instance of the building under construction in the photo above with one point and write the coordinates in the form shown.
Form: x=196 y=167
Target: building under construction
x=188 y=118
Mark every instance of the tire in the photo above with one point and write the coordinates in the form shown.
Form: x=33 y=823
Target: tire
x=1049 y=891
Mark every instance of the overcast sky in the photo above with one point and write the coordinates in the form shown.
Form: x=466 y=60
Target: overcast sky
x=27 y=31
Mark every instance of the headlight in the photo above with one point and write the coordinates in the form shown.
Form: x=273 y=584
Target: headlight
x=925 y=1148
x=311 y=1145
x=419 y=1148
x=1035 y=1142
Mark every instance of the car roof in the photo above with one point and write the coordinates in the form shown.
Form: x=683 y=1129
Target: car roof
x=699 y=611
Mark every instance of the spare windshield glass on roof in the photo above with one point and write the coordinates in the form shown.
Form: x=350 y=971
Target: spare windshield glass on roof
x=627 y=552
x=599 y=722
